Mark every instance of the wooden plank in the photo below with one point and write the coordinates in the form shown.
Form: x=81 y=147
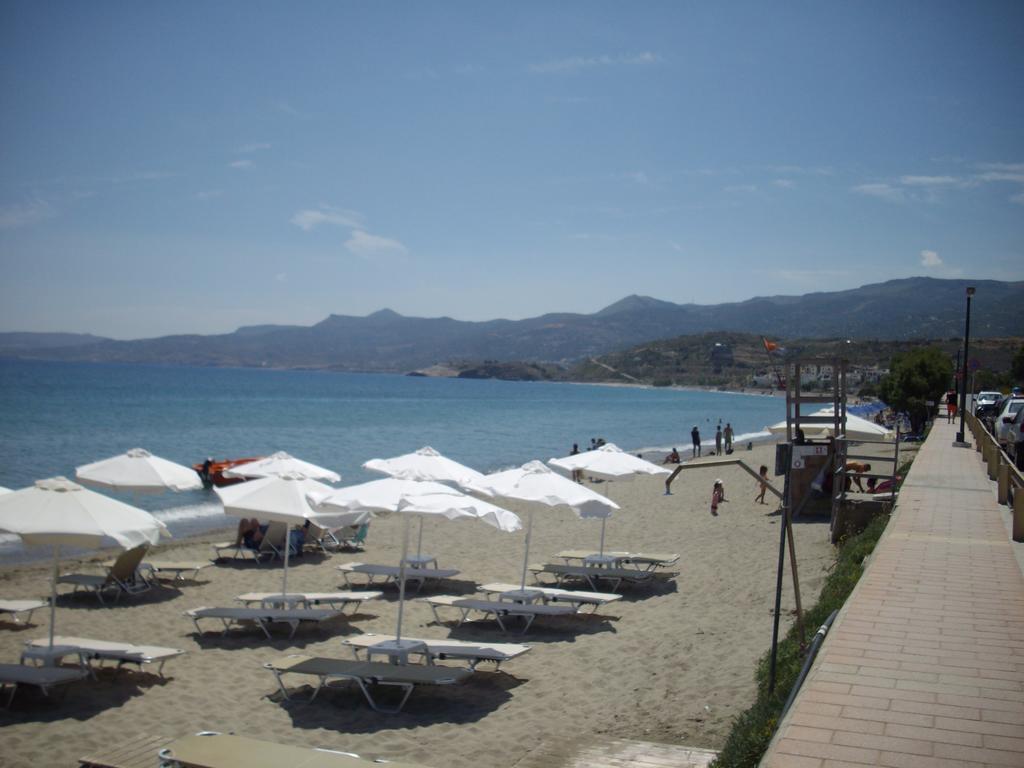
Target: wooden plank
x=138 y=752
x=615 y=753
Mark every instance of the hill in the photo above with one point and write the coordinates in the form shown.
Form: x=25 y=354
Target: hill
x=387 y=341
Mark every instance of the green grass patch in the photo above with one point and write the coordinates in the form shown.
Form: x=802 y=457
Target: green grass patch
x=753 y=729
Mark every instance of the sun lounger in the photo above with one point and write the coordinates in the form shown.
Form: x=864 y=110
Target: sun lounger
x=43 y=678
x=576 y=598
x=647 y=561
x=262 y=617
x=310 y=599
x=217 y=750
x=271 y=546
x=138 y=751
x=594 y=575
x=122 y=653
x=122 y=577
x=332 y=539
x=439 y=649
x=366 y=673
x=499 y=609
x=14 y=607
x=176 y=571
x=390 y=573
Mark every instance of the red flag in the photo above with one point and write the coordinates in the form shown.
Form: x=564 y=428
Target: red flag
x=769 y=346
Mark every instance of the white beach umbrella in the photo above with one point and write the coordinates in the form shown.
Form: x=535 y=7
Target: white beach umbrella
x=537 y=483
x=426 y=464
x=408 y=498
x=856 y=428
x=610 y=462
x=139 y=471
x=281 y=499
x=4 y=490
x=281 y=463
x=59 y=512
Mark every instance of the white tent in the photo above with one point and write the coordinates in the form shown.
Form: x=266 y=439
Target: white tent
x=856 y=428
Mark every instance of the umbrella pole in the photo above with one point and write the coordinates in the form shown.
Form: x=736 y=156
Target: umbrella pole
x=287 y=550
x=53 y=592
x=419 y=541
x=526 y=557
x=603 y=521
x=401 y=581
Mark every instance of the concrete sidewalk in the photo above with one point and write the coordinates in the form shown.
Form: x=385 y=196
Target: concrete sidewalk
x=925 y=663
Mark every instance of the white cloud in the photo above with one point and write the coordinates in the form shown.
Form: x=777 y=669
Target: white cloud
x=927 y=181
x=930 y=259
x=1013 y=176
x=241 y=164
x=308 y=219
x=882 y=191
x=742 y=188
x=367 y=246
x=24 y=214
x=784 y=183
x=209 y=194
x=577 y=63
x=256 y=146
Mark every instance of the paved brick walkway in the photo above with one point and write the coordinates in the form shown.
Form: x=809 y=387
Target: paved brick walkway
x=925 y=664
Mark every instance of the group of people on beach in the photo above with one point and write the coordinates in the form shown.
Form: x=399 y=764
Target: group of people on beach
x=723 y=439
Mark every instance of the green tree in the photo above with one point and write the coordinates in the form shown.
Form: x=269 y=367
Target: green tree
x=916 y=377
x=1017 y=366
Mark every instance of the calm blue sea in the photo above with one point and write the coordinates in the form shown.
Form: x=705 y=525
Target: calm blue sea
x=55 y=416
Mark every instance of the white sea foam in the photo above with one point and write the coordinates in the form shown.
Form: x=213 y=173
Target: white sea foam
x=188 y=512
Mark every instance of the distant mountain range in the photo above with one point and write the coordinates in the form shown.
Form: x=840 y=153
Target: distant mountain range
x=914 y=308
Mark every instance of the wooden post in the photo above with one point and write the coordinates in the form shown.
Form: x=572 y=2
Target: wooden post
x=1003 y=484
x=1018 y=514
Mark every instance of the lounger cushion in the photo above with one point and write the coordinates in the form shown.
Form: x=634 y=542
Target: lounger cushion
x=371 y=671
x=41 y=676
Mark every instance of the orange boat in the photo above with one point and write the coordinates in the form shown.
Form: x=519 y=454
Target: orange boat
x=212 y=472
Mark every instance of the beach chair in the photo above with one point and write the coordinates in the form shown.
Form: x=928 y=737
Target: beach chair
x=271 y=546
x=138 y=751
x=595 y=575
x=229 y=751
x=365 y=674
x=499 y=609
x=43 y=678
x=262 y=617
x=104 y=650
x=647 y=561
x=390 y=573
x=437 y=649
x=175 y=571
x=15 y=607
x=331 y=540
x=340 y=600
x=573 y=597
x=123 y=576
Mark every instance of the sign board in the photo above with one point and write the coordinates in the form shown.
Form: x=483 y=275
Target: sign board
x=801 y=452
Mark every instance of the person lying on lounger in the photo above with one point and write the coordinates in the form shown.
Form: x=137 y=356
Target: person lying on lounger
x=250 y=533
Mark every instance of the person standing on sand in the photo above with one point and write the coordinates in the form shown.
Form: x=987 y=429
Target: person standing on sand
x=577 y=474
x=718 y=440
x=717 y=496
x=695 y=436
x=763 y=473
x=728 y=435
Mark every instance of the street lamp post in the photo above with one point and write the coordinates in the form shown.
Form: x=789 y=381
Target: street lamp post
x=963 y=371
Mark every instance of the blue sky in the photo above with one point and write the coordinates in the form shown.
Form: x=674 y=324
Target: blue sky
x=193 y=167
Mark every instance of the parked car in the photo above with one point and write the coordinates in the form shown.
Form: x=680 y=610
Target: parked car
x=1006 y=416
x=985 y=398
x=987 y=413
x=1015 y=439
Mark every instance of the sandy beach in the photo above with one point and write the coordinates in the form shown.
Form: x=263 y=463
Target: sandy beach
x=672 y=663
